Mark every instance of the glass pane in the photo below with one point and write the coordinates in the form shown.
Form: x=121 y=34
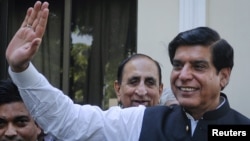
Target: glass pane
x=103 y=33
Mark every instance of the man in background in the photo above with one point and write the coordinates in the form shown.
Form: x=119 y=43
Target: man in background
x=168 y=98
x=138 y=81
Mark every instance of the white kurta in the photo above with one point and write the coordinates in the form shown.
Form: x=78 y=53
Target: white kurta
x=58 y=115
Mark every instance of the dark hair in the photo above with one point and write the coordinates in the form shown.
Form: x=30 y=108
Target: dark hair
x=222 y=52
x=9 y=92
x=134 y=56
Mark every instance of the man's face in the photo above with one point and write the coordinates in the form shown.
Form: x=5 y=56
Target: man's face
x=194 y=79
x=140 y=83
x=16 y=123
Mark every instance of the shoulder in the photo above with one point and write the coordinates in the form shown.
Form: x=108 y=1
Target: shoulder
x=239 y=117
x=162 y=110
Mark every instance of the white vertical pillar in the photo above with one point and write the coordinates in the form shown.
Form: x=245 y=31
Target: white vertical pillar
x=192 y=14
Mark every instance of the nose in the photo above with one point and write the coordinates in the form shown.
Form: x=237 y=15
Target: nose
x=10 y=131
x=185 y=73
x=141 y=90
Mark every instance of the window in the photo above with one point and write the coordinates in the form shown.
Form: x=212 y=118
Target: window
x=3 y=40
x=84 y=42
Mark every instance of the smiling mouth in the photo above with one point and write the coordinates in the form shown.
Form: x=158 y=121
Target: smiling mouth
x=140 y=102
x=187 y=89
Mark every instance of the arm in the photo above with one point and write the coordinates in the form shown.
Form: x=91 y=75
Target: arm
x=54 y=111
x=56 y=114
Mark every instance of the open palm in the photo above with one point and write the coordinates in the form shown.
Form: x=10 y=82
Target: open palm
x=27 y=39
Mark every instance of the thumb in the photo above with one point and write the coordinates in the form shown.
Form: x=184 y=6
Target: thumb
x=35 y=46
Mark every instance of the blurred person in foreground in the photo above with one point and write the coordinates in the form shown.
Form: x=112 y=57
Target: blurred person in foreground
x=16 y=122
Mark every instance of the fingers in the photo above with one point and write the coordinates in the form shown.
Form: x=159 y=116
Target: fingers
x=35 y=11
x=28 y=13
x=36 y=18
x=42 y=22
x=25 y=43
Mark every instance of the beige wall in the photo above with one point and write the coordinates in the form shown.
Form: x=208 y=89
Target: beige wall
x=158 y=23
x=232 y=19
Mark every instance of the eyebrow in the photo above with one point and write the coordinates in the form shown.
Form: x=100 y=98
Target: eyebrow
x=22 y=117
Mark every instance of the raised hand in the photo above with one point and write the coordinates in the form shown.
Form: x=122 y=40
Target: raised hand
x=27 y=39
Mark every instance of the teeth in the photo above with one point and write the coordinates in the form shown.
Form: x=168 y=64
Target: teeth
x=187 y=89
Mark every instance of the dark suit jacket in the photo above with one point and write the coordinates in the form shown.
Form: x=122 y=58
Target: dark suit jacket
x=162 y=123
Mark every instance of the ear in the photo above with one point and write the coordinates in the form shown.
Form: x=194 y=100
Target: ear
x=161 y=89
x=38 y=129
x=117 y=90
x=224 y=77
